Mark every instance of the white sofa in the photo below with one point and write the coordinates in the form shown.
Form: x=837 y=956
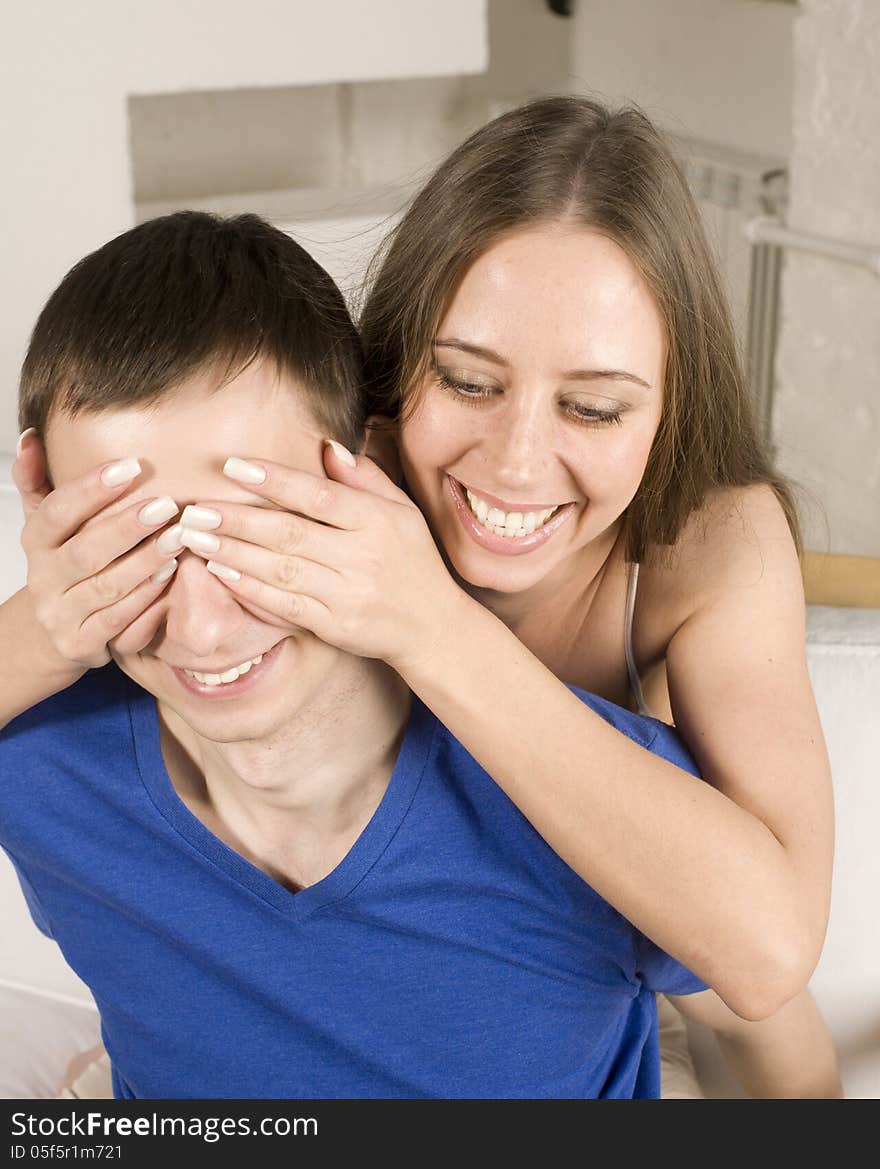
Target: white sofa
x=843 y=653
x=47 y=1015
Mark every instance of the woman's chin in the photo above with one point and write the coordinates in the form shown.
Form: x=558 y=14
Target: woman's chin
x=477 y=569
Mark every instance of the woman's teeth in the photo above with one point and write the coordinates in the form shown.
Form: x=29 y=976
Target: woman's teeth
x=230 y=675
x=513 y=524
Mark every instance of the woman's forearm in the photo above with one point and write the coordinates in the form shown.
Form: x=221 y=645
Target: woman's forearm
x=32 y=668
x=789 y=1056
x=701 y=876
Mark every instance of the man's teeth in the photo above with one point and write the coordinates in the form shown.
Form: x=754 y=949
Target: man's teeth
x=514 y=524
x=230 y=675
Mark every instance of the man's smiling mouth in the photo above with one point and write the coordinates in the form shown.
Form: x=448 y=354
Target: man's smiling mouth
x=230 y=675
x=231 y=680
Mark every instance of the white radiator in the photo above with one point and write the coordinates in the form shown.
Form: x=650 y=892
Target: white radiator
x=732 y=188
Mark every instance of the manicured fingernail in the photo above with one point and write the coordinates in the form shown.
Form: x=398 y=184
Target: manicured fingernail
x=170 y=541
x=166 y=571
x=342 y=452
x=223 y=571
x=122 y=472
x=158 y=511
x=201 y=517
x=24 y=434
x=243 y=471
x=199 y=541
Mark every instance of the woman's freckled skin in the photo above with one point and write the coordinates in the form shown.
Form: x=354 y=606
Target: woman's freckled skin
x=546 y=301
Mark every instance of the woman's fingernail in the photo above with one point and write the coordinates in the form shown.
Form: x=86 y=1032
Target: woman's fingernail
x=342 y=452
x=24 y=434
x=158 y=511
x=243 y=471
x=200 y=517
x=166 y=571
x=223 y=571
x=199 y=541
x=170 y=541
x=120 y=472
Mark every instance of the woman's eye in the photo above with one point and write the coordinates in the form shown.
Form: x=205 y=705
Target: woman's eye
x=475 y=392
x=591 y=415
x=461 y=387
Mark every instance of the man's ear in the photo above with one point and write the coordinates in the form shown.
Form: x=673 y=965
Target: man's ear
x=30 y=472
x=380 y=444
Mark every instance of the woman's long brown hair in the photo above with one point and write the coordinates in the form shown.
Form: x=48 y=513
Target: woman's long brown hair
x=571 y=160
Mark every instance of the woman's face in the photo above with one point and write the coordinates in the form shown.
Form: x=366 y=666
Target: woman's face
x=533 y=426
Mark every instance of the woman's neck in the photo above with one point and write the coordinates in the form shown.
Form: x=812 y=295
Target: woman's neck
x=568 y=590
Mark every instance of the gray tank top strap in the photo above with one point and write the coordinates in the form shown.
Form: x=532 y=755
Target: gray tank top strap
x=634 y=680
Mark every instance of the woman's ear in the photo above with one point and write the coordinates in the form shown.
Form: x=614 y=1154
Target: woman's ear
x=380 y=445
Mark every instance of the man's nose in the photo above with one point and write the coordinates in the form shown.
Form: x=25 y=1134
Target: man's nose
x=202 y=613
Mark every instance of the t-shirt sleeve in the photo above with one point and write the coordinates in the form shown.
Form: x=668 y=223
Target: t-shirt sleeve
x=663 y=974
x=39 y=918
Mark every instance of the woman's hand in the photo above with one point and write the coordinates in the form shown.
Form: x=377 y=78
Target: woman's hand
x=349 y=557
x=90 y=575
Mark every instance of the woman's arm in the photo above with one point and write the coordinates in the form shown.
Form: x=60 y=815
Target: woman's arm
x=32 y=667
x=90 y=575
x=788 y=1056
x=744 y=854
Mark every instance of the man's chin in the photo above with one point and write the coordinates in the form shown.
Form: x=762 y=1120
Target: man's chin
x=254 y=723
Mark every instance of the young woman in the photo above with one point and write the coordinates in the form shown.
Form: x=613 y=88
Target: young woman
x=549 y=353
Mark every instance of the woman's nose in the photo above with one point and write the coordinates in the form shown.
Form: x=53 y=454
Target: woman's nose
x=521 y=445
x=202 y=613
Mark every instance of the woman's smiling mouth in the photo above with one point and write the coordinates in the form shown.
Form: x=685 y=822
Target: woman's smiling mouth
x=510 y=530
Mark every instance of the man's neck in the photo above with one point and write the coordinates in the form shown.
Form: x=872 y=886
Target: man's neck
x=295 y=802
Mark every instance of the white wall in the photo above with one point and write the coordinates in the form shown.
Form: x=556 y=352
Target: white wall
x=334 y=164
x=827 y=406
x=67 y=70
x=354 y=135
x=802 y=83
x=714 y=69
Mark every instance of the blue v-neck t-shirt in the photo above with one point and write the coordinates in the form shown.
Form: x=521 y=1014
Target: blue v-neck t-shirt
x=450 y=954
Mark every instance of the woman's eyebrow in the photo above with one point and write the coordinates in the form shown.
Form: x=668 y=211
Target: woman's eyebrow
x=474 y=350
x=616 y=375
x=571 y=375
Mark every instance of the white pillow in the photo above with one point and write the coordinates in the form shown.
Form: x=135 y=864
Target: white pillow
x=13 y=566
x=39 y=1036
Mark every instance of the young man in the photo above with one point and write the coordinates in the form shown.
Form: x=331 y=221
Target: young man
x=278 y=874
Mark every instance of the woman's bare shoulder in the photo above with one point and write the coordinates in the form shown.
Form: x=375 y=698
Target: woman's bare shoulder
x=731 y=542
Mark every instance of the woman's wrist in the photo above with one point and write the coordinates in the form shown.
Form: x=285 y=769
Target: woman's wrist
x=441 y=639
x=34 y=668
x=27 y=643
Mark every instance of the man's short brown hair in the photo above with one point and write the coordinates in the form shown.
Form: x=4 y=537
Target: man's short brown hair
x=182 y=293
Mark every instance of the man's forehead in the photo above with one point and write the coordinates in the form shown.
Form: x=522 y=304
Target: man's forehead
x=259 y=407
x=183 y=445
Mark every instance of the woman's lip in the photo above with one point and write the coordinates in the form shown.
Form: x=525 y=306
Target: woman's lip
x=504 y=545
x=502 y=505
x=230 y=689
